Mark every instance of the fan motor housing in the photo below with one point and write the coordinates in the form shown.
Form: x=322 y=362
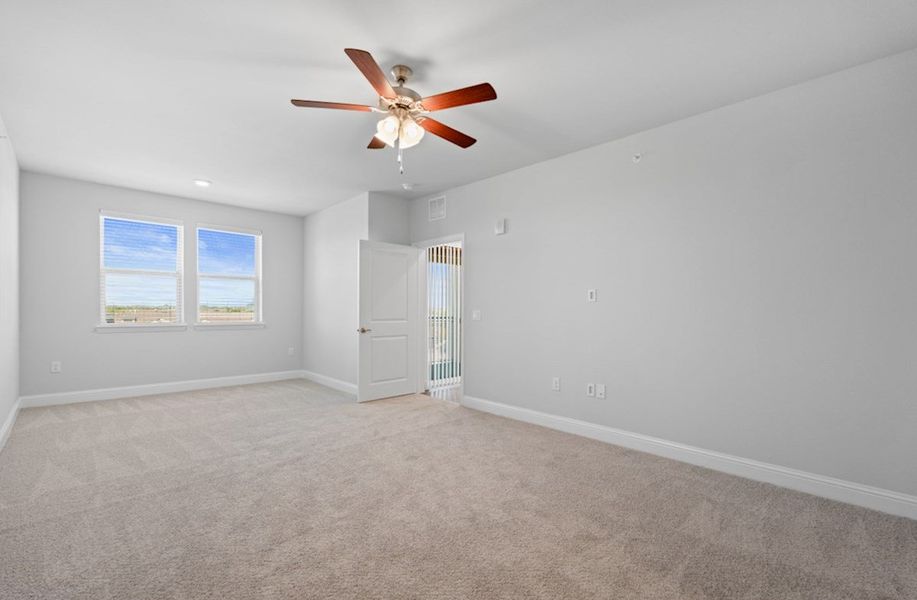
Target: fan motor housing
x=405 y=98
x=404 y=92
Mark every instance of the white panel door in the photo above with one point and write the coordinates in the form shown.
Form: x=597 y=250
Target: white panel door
x=389 y=320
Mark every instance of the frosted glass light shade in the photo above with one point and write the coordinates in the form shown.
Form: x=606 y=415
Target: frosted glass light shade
x=411 y=133
x=387 y=129
x=407 y=131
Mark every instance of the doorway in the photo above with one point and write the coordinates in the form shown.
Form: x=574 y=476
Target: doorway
x=444 y=352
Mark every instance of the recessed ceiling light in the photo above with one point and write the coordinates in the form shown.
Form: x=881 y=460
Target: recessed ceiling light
x=202 y=183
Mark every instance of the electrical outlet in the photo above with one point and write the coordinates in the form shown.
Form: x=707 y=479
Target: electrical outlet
x=555 y=384
x=590 y=389
x=291 y=351
x=600 y=390
x=55 y=366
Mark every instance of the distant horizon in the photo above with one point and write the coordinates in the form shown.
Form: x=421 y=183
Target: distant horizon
x=172 y=306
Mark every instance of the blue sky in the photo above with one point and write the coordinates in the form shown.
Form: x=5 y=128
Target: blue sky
x=225 y=253
x=153 y=247
x=133 y=245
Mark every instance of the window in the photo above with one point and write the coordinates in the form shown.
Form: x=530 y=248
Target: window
x=229 y=276
x=141 y=271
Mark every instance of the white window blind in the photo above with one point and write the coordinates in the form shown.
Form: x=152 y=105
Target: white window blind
x=229 y=276
x=140 y=271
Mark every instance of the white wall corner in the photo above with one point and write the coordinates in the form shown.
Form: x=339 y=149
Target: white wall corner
x=335 y=384
x=887 y=501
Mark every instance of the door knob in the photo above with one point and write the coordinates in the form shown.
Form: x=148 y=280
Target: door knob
x=363 y=330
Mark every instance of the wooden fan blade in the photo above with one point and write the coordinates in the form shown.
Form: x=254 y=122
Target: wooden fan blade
x=447 y=133
x=337 y=105
x=469 y=95
x=370 y=69
x=375 y=143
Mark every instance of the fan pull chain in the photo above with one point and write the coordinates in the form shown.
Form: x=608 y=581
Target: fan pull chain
x=400 y=157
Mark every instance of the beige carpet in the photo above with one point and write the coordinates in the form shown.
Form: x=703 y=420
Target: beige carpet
x=290 y=490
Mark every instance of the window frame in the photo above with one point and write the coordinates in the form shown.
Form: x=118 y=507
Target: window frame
x=258 y=320
x=179 y=273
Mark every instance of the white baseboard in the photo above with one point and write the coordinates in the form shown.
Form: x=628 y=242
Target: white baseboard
x=153 y=388
x=335 y=384
x=887 y=501
x=7 y=426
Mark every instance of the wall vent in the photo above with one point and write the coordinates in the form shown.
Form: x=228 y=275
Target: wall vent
x=437 y=208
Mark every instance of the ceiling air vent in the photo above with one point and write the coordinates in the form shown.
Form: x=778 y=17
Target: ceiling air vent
x=437 y=208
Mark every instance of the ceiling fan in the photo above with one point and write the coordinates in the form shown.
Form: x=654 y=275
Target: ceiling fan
x=406 y=111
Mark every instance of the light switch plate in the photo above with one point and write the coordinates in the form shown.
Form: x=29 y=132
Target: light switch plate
x=600 y=390
x=555 y=384
x=590 y=389
x=55 y=366
x=591 y=295
x=476 y=315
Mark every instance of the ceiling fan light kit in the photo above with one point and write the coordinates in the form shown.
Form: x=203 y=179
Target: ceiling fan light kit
x=402 y=129
x=405 y=122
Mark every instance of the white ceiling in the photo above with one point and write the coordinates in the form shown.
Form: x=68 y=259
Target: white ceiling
x=152 y=95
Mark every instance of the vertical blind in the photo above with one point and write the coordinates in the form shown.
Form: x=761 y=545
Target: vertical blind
x=444 y=310
x=140 y=271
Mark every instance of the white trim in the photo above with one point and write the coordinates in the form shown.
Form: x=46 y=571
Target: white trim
x=153 y=388
x=228 y=229
x=883 y=500
x=457 y=237
x=256 y=278
x=151 y=328
x=140 y=272
x=335 y=384
x=234 y=277
x=178 y=274
x=130 y=391
x=122 y=216
x=7 y=426
x=229 y=325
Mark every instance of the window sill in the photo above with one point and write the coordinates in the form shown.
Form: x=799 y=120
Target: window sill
x=229 y=326
x=140 y=328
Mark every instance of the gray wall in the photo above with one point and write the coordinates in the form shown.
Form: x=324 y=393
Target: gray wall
x=331 y=244
x=9 y=277
x=60 y=293
x=755 y=275
x=388 y=219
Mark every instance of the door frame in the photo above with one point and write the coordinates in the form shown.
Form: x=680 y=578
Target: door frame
x=422 y=307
